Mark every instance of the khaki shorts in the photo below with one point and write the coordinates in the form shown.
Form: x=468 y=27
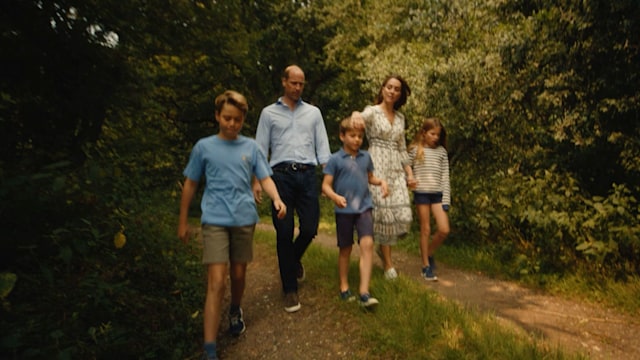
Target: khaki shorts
x=222 y=244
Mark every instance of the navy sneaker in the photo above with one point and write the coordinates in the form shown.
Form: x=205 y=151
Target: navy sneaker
x=432 y=263
x=427 y=274
x=236 y=323
x=347 y=296
x=207 y=357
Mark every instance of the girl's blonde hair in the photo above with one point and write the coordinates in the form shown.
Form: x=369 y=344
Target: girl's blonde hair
x=428 y=124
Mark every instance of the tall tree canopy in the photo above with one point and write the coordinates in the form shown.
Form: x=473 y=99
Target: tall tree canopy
x=101 y=100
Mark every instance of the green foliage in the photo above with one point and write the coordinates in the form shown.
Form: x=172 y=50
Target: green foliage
x=542 y=130
x=540 y=102
x=99 y=301
x=550 y=225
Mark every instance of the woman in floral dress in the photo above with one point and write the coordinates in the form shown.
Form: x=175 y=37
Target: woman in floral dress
x=385 y=126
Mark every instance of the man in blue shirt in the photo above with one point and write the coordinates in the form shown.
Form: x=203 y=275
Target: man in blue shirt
x=291 y=133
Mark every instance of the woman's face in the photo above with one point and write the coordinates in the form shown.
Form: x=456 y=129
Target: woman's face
x=391 y=91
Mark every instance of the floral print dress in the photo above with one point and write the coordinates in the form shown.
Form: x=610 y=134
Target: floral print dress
x=387 y=146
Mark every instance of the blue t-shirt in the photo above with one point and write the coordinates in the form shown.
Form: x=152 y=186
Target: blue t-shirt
x=228 y=167
x=351 y=180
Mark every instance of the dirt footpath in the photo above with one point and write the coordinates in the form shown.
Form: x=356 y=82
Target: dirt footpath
x=313 y=333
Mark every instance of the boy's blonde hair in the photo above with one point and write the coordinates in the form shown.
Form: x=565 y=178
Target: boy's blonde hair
x=347 y=124
x=428 y=124
x=234 y=98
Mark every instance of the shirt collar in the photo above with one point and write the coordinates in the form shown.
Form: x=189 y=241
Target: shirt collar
x=298 y=103
x=345 y=154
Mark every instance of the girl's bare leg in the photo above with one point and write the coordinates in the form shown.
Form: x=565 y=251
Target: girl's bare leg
x=423 y=211
x=442 y=222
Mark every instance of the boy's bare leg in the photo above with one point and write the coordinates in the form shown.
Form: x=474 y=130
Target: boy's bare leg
x=216 y=285
x=343 y=267
x=237 y=274
x=366 y=263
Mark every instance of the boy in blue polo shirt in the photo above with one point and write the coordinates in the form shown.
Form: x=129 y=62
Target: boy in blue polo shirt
x=228 y=161
x=346 y=177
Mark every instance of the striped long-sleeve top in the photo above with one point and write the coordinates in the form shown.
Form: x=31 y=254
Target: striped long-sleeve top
x=432 y=172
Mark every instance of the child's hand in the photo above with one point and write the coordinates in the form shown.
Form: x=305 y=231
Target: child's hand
x=385 y=188
x=340 y=201
x=184 y=234
x=257 y=192
x=281 y=208
x=412 y=183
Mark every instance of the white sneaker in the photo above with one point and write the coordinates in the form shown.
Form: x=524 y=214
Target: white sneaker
x=367 y=301
x=390 y=274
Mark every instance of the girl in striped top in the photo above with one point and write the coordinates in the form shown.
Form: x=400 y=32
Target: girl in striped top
x=432 y=195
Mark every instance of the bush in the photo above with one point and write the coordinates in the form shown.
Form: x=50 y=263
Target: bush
x=545 y=224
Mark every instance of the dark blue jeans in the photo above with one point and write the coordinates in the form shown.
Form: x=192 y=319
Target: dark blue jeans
x=299 y=191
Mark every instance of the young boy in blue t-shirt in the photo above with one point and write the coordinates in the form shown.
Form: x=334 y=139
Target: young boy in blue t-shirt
x=228 y=161
x=346 y=177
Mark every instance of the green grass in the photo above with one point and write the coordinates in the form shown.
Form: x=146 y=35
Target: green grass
x=579 y=285
x=412 y=322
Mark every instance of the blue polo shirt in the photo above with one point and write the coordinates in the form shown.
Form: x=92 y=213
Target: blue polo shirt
x=228 y=167
x=351 y=180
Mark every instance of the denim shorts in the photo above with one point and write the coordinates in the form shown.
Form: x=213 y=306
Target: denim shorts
x=427 y=198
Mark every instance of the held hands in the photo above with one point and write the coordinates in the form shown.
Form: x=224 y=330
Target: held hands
x=412 y=183
x=280 y=207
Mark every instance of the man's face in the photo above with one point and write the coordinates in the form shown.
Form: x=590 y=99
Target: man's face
x=293 y=85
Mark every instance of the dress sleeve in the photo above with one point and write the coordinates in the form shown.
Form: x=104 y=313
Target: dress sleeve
x=402 y=142
x=367 y=115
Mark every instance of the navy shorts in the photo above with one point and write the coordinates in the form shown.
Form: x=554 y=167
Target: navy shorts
x=345 y=223
x=427 y=198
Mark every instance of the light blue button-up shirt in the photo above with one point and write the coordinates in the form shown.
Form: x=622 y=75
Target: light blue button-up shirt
x=297 y=136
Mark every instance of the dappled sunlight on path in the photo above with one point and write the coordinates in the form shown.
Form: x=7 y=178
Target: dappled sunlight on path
x=598 y=332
